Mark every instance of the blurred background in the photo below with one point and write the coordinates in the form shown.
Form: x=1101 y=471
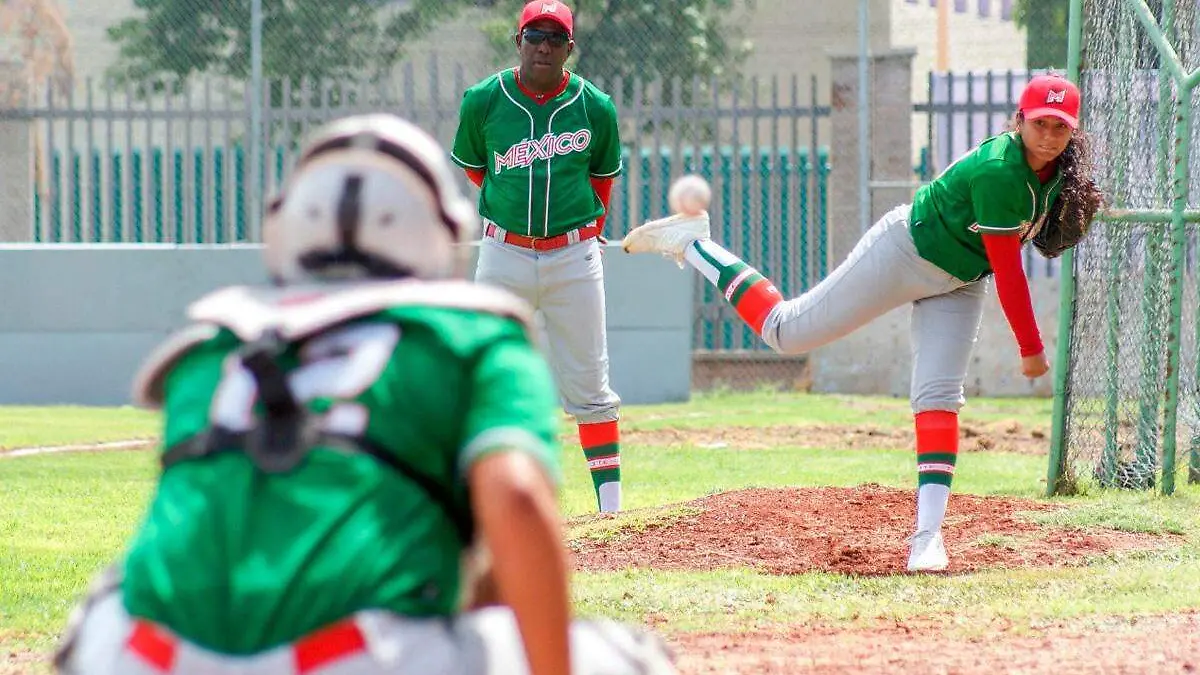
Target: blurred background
x=171 y=121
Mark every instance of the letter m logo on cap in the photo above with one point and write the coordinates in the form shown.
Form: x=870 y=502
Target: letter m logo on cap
x=550 y=7
x=1056 y=96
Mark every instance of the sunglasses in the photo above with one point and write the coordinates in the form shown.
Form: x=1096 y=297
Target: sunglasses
x=535 y=36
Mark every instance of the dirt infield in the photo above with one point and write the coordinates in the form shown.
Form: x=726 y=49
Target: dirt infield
x=1162 y=645
x=860 y=530
x=1006 y=436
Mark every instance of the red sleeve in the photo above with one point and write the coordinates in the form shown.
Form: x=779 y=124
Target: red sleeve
x=476 y=176
x=603 y=188
x=1004 y=254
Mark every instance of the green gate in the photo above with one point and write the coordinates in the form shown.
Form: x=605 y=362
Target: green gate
x=1127 y=387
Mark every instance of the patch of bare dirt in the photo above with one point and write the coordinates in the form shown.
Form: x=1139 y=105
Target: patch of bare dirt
x=860 y=530
x=23 y=663
x=1008 y=436
x=1161 y=644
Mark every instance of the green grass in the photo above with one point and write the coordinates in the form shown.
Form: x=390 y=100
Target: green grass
x=63 y=517
x=23 y=426
x=735 y=599
x=768 y=408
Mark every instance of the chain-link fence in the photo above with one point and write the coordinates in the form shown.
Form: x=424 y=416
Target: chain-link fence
x=188 y=115
x=1132 y=398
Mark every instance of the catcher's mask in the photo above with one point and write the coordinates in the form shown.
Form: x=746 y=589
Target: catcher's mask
x=372 y=196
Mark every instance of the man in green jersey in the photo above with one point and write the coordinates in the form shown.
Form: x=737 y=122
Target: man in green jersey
x=336 y=442
x=542 y=144
x=938 y=254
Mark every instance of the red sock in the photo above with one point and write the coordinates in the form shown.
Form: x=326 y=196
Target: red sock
x=937 y=446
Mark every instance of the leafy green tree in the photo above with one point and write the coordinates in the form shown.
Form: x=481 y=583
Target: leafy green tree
x=349 y=40
x=643 y=40
x=1045 y=23
x=321 y=40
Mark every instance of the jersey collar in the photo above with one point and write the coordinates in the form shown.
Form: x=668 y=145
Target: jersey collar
x=542 y=98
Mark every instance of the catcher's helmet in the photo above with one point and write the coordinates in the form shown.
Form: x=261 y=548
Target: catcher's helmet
x=372 y=196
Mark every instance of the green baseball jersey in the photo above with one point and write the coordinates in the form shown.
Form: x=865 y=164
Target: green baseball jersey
x=990 y=189
x=538 y=160
x=238 y=560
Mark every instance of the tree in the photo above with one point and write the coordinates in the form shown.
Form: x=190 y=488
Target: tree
x=641 y=39
x=352 y=40
x=317 y=40
x=42 y=44
x=1045 y=23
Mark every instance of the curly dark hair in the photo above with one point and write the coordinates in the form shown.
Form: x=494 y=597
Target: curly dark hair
x=1076 y=206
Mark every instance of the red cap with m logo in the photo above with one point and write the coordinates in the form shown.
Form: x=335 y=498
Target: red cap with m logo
x=1051 y=95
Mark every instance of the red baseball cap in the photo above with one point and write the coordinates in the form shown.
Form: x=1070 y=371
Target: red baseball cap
x=1051 y=95
x=547 y=9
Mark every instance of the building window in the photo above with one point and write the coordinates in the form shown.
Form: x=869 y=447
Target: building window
x=960 y=6
x=985 y=8
x=1006 y=10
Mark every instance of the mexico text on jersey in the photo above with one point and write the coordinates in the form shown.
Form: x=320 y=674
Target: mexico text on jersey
x=539 y=158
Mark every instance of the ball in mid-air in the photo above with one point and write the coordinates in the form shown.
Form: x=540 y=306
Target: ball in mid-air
x=689 y=195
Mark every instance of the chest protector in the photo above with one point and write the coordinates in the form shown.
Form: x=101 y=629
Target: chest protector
x=270 y=319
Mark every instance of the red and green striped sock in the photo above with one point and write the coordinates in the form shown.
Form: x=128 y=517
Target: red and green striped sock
x=937 y=446
x=601 y=443
x=937 y=453
x=752 y=295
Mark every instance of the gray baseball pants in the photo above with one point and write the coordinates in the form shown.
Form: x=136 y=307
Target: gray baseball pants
x=566 y=287
x=883 y=272
x=483 y=642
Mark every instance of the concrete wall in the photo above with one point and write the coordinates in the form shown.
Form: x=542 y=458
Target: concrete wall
x=77 y=320
x=975 y=43
x=890 y=153
x=876 y=359
x=16 y=162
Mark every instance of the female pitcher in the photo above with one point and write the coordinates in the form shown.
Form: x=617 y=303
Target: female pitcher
x=939 y=253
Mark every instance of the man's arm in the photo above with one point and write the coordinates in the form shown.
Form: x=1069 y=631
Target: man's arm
x=603 y=188
x=510 y=463
x=469 y=149
x=515 y=506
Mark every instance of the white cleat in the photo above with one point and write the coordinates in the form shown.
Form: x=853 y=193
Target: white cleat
x=668 y=236
x=927 y=552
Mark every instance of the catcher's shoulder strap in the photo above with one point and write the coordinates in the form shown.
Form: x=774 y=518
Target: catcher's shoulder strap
x=298 y=312
x=151 y=376
x=272 y=452
x=293 y=313
x=286 y=431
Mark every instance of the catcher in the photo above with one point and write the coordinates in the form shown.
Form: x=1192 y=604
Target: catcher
x=939 y=253
x=335 y=444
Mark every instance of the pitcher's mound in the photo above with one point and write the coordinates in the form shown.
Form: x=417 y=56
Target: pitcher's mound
x=860 y=530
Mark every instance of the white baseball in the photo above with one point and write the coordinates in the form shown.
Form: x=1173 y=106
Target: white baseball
x=689 y=195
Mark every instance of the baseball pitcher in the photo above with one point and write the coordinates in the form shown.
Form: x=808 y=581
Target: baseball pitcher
x=543 y=147
x=334 y=445
x=940 y=254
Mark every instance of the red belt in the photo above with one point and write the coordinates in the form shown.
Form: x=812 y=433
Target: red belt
x=498 y=233
x=158 y=648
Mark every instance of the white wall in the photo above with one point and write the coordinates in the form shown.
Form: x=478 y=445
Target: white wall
x=78 y=320
x=975 y=43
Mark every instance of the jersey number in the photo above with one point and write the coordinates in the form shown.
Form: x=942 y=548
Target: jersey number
x=340 y=364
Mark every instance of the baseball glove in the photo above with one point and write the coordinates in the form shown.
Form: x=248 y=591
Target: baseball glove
x=1065 y=227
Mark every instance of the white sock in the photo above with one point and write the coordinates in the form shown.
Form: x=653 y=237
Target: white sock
x=931 y=506
x=610 y=497
x=696 y=252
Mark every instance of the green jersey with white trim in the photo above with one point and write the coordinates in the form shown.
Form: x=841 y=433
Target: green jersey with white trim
x=991 y=189
x=538 y=159
x=238 y=560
